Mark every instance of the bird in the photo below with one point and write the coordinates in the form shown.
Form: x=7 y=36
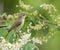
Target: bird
x=18 y=23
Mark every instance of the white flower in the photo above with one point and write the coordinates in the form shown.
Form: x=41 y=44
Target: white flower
x=35 y=40
x=25 y=38
x=35 y=12
x=28 y=30
x=48 y=7
x=10 y=16
x=17 y=5
x=25 y=6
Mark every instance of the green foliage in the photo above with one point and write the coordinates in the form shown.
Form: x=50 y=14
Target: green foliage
x=29 y=46
x=41 y=24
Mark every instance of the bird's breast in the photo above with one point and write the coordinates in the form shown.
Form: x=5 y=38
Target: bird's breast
x=22 y=22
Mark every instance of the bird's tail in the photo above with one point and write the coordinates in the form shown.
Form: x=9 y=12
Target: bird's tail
x=1 y=26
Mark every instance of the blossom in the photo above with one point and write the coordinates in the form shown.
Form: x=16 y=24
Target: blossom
x=5 y=45
x=25 y=6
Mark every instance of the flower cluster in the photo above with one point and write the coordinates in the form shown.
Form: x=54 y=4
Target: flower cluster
x=37 y=26
x=25 y=6
x=5 y=45
x=36 y=40
x=48 y=7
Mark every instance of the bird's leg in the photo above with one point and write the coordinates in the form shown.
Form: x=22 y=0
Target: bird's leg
x=18 y=33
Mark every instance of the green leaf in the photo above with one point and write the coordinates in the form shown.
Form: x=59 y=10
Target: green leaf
x=0 y=31
x=33 y=20
x=11 y=38
x=33 y=33
x=24 y=28
x=29 y=46
x=42 y=32
x=58 y=28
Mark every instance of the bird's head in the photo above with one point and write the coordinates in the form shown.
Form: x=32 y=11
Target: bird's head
x=22 y=15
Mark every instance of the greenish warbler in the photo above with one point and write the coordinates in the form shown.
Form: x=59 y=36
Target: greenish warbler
x=18 y=23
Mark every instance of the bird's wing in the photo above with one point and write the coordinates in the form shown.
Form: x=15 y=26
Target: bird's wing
x=15 y=25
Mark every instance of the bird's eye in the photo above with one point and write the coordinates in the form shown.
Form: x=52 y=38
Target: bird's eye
x=23 y=14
